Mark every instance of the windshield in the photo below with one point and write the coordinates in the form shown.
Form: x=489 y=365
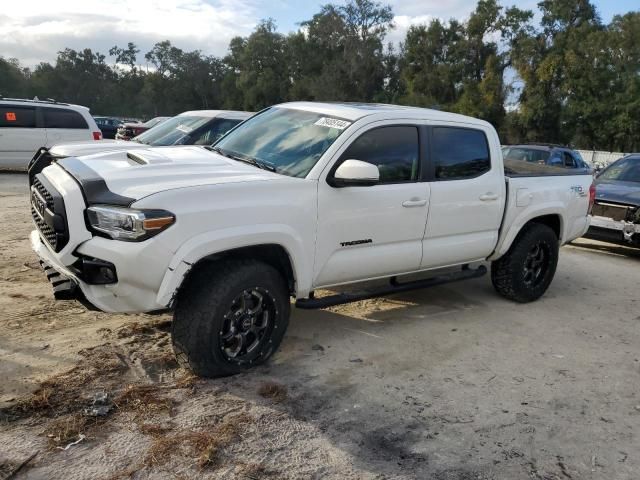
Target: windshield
x=171 y=132
x=531 y=155
x=154 y=121
x=290 y=141
x=624 y=170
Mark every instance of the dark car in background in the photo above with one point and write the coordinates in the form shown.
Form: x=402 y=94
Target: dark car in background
x=131 y=129
x=616 y=211
x=108 y=126
x=546 y=154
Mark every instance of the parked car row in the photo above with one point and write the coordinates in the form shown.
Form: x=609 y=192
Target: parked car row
x=64 y=129
x=108 y=126
x=26 y=125
x=198 y=127
x=129 y=130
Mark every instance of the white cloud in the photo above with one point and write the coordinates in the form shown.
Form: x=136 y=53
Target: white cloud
x=34 y=30
x=411 y=12
x=437 y=8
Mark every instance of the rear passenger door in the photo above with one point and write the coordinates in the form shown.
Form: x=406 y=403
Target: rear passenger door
x=19 y=135
x=467 y=196
x=64 y=125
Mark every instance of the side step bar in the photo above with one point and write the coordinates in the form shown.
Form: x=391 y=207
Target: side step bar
x=394 y=287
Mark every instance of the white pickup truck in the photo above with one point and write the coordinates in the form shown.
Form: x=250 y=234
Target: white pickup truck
x=302 y=196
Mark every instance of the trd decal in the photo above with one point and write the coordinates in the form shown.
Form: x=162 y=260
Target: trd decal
x=355 y=242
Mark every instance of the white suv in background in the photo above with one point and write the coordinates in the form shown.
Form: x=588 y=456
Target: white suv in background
x=27 y=125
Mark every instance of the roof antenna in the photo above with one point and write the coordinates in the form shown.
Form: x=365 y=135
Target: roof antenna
x=36 y=98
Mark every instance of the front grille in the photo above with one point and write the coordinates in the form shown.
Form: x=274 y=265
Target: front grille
x=48 y=213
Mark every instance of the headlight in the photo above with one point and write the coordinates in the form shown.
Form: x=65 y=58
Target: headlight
x=129 y=224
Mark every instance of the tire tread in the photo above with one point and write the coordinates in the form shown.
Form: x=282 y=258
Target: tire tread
x=203 y=295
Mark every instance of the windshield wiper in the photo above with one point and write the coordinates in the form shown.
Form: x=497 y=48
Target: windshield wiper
x=246 y=159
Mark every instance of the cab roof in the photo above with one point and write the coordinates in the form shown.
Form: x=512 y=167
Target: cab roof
x=216 y=113
x=356 y=111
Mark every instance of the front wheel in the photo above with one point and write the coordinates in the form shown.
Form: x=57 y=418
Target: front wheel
x=230 y=316
x=525 y=272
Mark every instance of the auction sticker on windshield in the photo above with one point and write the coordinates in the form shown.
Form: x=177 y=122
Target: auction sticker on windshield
x=333 y=123
x=184 y=128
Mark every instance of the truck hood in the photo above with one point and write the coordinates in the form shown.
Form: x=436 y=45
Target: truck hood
x=75 y=149
x=618 y=192
x=122 y=177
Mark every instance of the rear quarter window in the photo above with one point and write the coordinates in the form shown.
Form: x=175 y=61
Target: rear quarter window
x=62 y=118
x=17 y=117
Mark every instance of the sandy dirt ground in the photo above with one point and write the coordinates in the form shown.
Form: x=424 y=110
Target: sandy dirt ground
x=450 y=383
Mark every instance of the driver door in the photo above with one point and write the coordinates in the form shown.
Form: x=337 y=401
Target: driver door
x=374 y=231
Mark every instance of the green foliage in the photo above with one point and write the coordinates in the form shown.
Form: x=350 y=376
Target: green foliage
x=577 y=79
x=461 y=66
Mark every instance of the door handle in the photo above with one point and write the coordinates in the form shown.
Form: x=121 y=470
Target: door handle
x=414 y=202
x=489 y=197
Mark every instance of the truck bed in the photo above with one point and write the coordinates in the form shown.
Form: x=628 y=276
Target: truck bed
x=562 y=196
x=518 y=168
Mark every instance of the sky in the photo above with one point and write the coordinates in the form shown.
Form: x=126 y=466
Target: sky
x=34 y=31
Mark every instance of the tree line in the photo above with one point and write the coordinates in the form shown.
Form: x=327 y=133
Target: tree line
x=567 y=78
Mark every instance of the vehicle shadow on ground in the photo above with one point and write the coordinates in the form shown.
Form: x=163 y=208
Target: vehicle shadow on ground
x=608 y=248
x=359 y=378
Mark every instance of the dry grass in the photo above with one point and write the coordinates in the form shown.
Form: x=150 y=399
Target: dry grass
x=68 y=392
x=188 y=380
x=203 y=446
x=274 y=391
x=135 y=329
x=67 y=429
x=145 y=399
x=154 y=429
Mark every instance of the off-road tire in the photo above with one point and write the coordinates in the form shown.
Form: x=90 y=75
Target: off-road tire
x=205 y=299
x=508 y=272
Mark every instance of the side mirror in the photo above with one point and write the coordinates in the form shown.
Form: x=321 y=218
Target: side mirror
x=355 y=173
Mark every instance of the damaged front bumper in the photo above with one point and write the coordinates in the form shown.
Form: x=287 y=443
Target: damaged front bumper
x=65 y=288
x=615 y=231
x=95 y=282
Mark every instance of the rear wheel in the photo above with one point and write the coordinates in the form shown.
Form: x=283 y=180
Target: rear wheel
x=229 y=317
x=525 y=272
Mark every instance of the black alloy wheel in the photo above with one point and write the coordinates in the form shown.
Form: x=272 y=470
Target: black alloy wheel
x=247 y=325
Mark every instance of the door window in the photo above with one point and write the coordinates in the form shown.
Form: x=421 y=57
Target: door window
x=394 y=150
x=17 y=117
x=569 y=162
x=459 y=153
x=62 y=118
x=211 y=133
